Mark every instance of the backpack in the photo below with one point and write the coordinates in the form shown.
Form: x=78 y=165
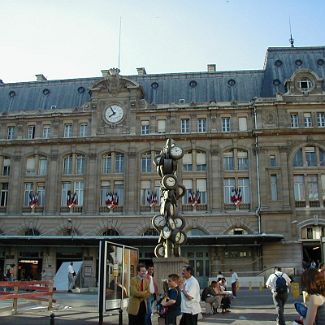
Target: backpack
x=280 y=284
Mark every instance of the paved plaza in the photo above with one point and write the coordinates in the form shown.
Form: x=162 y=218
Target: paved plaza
x=250 y=308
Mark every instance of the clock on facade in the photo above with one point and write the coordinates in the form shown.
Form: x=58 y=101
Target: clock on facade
x=114 y=114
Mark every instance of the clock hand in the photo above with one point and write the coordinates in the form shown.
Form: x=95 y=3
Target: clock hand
x=112 y=114
x=112 y=110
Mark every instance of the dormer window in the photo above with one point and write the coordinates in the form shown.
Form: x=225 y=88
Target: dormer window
x=305 y=84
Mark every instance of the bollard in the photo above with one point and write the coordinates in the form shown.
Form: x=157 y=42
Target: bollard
x=52 y=319
x=261 y=286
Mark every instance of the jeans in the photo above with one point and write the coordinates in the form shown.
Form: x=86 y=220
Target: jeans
x=150 y=301
x=279 y=300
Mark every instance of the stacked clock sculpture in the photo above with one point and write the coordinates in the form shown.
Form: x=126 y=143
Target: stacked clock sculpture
x=168 y=222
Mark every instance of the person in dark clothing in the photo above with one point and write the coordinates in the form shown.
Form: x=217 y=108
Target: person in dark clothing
x=173 y=300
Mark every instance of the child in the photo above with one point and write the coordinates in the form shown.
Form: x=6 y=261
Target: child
x=173 y=300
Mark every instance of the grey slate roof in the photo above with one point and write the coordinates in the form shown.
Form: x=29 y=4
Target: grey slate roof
x=196 y=87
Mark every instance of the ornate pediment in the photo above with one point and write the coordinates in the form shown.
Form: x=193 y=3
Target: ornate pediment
x=113 y=84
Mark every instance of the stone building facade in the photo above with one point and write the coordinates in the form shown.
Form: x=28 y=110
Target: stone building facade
x=254 y=138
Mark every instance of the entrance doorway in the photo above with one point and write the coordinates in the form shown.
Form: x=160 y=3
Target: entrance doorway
x=29 y=269
x=311 y=252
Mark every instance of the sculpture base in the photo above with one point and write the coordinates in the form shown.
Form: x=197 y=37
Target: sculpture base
x=166 y=266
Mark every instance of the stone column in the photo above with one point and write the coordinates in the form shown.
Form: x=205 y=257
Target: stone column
x=53 y=190
x=91 y=199
x=16 y=194
x=215 y=183
x=166 y=266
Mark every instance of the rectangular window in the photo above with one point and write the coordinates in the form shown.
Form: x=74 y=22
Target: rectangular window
x=146 y=163
x=312 y=188
x=242 y=160
x=307 y=120
x=228 y=161
x=274 y=188
x=6 y=167
x=161 y=126
x=83 y=130
x=201 y=162
x=28 y=187
x=189 y=189
x=273 y=161
x=42 y=166
x=67 y=131
x=299 y=188
x=145 y=192
x=119 y=163
x=311 y=158
x=105 y=189
x=185 y=126
x=228 y=185
x=75 y=188
x=79 y=190
x=31 y=132
x=46 y=132
x=41 y=194
x=201 y=187
x=11 y=132
x=4 y=194
x=243 y=184
x=294 y=120
x=81 y=165
x=67 y=165
x=119 y=189
x=242 y=123
x=187 y=162
x=30 y=166
x=145 y=127
x=201 y=125
x=107 y=164
x=226 y=124
x=321 y=119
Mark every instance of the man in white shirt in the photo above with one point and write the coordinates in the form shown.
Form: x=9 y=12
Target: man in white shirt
x=234 y=283
x=190 y=305
x=71 y=275
x=280 y=295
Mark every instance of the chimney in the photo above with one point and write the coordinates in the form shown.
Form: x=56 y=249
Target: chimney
x=40 y=77
x=141 y=71
x=211 y=68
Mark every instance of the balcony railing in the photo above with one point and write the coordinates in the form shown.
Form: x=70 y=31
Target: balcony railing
x=300 y=204
x=72 y=210
x=198 y=207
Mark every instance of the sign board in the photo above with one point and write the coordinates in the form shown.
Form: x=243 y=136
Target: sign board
x=117 y=264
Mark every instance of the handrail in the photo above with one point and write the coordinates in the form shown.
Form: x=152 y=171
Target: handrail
x=41 y=290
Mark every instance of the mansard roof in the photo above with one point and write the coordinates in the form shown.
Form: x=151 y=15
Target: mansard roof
x=194 y=87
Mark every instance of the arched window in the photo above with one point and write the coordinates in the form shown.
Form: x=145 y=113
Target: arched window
x=5 y=165
x=74 y=164
x=196 y=232
x=235 y=160
x=194 y=160
x=36 y=166
x=146 y=162
x=112 y=162
x=150 y=232
x=32 y=232
x=237 y=231
x=110 y=232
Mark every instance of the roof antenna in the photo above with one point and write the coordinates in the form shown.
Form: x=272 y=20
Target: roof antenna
x=291 y=40
x=119 y=46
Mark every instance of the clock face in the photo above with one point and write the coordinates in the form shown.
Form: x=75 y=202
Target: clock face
x=179 y=237
x=114 y=114
x=179 y=222
x=159 y=221
x=160 y=250
x=166 y=232
x=176 y=152
x=169 y=181
x=171 y=223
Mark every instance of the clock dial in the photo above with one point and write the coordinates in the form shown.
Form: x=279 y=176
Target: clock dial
x=160 y=250
x=171 y=223
x=114 y=114
x=159 y=221
x=179 y=237
x=169 y=181
x=176 y=152
x=166 y=232
x=179 y=222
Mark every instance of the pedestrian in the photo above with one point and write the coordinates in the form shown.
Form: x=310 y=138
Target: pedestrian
x=190 y=302
x=71 y=277
x=278 y=282
x=212 y=295
x=172 y=301
x=234 y=283
x=139 y=292
x=321 y=269
x=315 y=286
x=153 y=289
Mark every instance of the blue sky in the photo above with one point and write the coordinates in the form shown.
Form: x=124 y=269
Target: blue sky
x=78 y=38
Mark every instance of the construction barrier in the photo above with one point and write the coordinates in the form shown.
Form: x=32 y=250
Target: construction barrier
x=29 y=290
